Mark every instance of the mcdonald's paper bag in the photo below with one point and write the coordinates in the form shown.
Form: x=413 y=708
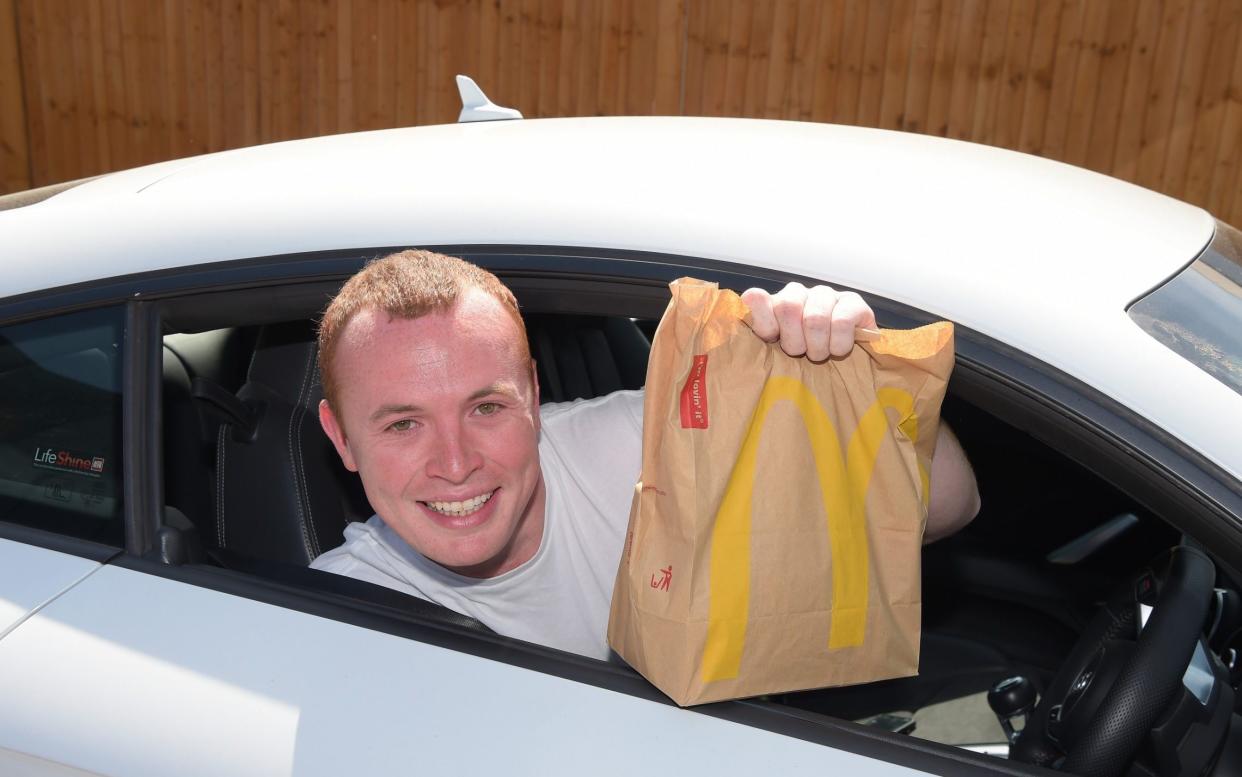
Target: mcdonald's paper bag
x=775 y=537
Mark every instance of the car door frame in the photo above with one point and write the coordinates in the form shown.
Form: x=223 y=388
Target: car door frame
x=1203 y=499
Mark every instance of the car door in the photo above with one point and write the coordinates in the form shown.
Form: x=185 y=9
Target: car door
x=156 y=663
x=150 y=667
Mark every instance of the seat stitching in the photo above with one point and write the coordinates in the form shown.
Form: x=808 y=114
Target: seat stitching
x=220 y=485
x=299 y=477
x=312 y=534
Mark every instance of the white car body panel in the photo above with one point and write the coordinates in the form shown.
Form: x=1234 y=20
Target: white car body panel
x=224 y=685
x=31 y=577
x=1039 y=255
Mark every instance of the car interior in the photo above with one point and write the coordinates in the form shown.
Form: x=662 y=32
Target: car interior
x=252 y=484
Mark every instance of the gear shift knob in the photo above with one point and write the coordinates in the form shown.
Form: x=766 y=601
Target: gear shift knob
x=1011 y=698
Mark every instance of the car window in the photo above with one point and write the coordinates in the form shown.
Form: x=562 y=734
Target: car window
x=1011 y=566
x=60 y=411
x=1198 y=313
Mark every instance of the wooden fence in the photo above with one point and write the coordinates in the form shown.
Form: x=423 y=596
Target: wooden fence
x=1146 y=90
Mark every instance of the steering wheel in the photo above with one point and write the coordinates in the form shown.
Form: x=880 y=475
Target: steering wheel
x=1113 y=687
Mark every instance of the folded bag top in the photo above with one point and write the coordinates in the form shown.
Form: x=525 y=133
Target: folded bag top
x=775 y=535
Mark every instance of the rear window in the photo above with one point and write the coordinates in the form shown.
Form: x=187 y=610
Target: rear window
x=60 y=425
x=1198 y=313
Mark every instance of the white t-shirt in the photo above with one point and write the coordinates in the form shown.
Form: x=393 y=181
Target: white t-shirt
x=590 y=452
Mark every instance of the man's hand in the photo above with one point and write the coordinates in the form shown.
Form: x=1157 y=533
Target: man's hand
x=818 y=322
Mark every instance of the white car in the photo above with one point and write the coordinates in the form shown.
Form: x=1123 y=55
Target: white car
x=165 y=481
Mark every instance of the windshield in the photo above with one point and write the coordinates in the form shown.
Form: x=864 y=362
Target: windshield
x=1198 y=313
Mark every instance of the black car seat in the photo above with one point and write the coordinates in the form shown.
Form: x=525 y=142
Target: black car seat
x=220 y=356
x=579 y=357
x=281 y=492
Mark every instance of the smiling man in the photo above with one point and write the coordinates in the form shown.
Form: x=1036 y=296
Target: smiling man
x=485 y=502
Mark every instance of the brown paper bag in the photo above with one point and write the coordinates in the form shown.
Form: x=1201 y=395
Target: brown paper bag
x=775 y=537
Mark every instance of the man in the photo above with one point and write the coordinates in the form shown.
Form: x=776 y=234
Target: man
x=486 y=503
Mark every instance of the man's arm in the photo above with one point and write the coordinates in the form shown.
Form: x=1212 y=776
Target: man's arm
x=954 y=498
x=819 y=322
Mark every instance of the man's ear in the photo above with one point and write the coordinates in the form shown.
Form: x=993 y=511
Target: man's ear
x=336 y=433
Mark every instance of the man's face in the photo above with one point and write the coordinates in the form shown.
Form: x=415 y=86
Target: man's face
x=440 y=417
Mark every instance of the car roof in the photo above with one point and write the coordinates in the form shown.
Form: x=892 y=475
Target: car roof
x=1041 y=255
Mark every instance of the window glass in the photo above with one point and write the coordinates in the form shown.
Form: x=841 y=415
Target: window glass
x=1198 y=313
x=60 y=424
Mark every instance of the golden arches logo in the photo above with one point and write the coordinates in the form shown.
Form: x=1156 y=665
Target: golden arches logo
x=843 y=484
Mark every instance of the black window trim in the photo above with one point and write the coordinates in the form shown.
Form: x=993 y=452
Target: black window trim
x=1056 y=408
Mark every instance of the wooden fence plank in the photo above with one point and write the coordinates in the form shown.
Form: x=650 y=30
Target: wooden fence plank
x=827 y=59
x=99 y=86
x=800 y=92
x=28 y=35
x=608 y=74
x=143 y=104
x=1064 y=77
x=527 y=64
x=1189 y=86
x=639 y=53
x=1162 y=94
x=250 y=71
x=405 y=105
x=85 y=122
x=156 y=58
x=266 y=71
x=896 y=72
x=118 y=118
x=586 y=102
x=922 y=70
x=14 y=139
x=991 y=61
x=1086 y=82
x=1138 y=82
x=507 y=88
x=385 y=75
x=1110 y=88
x=940 y=90
x=758 y=58
x=366 y=64
x=286 y=42
x=671 y=20
x=737 y=55
x=232 y=105
x=1010 y=100
x=63 y=103
x=1223 y=199
x=853 y=44
x=486 y=65
x=306 y=55
x=212 y=89
x=547 y=48
x=780 y=66
x=1213 y=99
x=698 y=55
x=966 y=69
x=875 y=50
x=1039 y=74
x=568 y=59
x=188 y=96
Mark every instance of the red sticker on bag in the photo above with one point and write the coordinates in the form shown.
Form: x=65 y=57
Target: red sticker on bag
x=694 y=396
